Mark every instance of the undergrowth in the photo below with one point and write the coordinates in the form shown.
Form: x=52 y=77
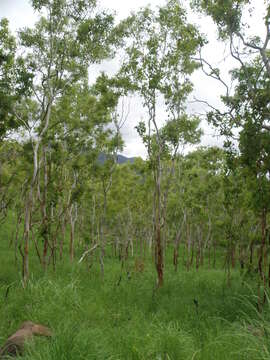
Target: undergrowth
x=194 y=316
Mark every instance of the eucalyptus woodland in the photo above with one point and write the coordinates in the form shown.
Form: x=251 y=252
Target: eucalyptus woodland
x=58 y=51
x=159 y=63
x=60 y=180
x=245 y=117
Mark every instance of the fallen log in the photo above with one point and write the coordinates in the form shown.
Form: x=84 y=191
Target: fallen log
x=15 y=343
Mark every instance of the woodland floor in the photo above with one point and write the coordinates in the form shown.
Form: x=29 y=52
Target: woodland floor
x=92 y=319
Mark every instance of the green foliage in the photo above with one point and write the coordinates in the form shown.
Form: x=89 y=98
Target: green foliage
x=159 y=64
x=129 y=320
x=158 y=56
x=206 y=205
x=7 y=53
x=227 y=15
x=183 y=130
x=15 y=80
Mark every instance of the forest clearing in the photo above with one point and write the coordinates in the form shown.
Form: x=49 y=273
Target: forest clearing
x=161 y=253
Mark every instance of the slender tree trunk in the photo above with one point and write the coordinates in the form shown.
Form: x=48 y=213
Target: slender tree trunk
x=30 y=197
x=177 y=243
x=63 y=235
x=251 y=253
x=19 y=220
x=192 y=249
x=102 y=234
x=233 y=256
x=25 y=271
x=27 y=219
x=101 y=255
x=199 y=246
x=71 y=243
x=262 y=256
x=188 y=245
x=176 y=249
x=214 y=259
x=159 y=248
x=209 y=255
x=73 y=215
x=45 y=227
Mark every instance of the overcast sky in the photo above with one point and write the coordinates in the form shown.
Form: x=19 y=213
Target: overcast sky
x=20 y=14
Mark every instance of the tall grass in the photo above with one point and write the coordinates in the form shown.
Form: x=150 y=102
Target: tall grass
x=194 y=316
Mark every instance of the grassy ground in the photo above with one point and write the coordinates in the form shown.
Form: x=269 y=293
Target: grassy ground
x=92 y=319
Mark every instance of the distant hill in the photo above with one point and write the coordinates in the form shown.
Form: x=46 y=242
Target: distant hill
x=121 y=159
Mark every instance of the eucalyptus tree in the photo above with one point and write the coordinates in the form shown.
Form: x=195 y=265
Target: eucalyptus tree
x=61 y=178
x=251 y=53
x=159 y=62
x=251 y=109
x=14 y=83
x=130 y=212
x=108 y=92
x=58 y=50
x=14 y=80
x=80 y=131
x=250 y=80
x=245 y=117
x=7 y=55
x=196 y=203
x=230 y=18
x=13 y=172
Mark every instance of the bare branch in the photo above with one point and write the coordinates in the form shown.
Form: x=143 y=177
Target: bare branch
x=87 y=252
x=214 y=74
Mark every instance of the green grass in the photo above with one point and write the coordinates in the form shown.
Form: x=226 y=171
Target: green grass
x=95 y=319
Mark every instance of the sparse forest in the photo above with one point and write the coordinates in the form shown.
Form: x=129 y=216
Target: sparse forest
x=165 y=257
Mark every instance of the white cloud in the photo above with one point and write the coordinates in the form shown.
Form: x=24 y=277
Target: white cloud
x=18 y=12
